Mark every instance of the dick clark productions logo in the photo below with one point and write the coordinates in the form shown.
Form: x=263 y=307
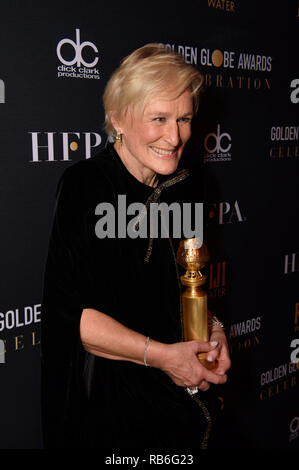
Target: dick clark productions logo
x=217 y=146
x=81 y=61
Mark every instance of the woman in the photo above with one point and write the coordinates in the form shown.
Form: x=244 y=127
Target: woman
x=115 y=369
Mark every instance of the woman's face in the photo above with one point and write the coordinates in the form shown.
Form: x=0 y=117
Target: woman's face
x=153 y=142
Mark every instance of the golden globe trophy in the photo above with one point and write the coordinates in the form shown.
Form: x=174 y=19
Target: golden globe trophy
x=193 y=255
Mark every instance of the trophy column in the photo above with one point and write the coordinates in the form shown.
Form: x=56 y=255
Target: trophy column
x=193 y=255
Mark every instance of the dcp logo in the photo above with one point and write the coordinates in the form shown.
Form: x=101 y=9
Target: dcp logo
x=215 y=143
x=217 y=146
x=78 y=48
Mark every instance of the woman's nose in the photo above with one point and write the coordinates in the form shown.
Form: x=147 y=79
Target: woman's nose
x=173 y=136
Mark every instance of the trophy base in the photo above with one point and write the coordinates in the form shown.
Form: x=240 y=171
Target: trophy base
x=207 y=364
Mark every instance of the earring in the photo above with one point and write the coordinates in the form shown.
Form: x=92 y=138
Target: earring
x=118 y=138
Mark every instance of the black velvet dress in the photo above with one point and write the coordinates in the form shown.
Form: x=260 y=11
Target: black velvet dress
x=92 y=402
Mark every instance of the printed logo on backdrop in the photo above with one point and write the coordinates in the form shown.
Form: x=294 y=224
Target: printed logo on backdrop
x=294 y=97
x=217 y=146
x=78 y=59
x=19 y=321
x=280 y=379
x=217 y=279
x=294 y=428
x=59 y=146
x=284 y=142
x=245 y=335
x=295 y=351
x=291 y=263
x=228 y=212
x=222 y=5
x=2 y=351
x=296 y=322
x=296 y=317
x=229 y=69
x=2 y=92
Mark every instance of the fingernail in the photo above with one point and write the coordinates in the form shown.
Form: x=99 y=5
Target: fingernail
x=209 y=358
x=213 y=343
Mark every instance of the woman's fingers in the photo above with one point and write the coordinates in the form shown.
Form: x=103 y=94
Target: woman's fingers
x=204 y=386
x=182 y=365
x=205 y=347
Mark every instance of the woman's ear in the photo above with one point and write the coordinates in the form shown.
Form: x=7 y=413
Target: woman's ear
x=115 y=122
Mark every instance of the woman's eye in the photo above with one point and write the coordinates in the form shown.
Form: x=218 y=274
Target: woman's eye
x=159 y=119
x=185 y=120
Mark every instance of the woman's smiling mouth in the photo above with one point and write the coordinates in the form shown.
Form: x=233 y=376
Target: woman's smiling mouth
x=166 y=153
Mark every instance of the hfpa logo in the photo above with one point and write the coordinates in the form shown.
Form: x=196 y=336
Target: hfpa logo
x=2 y=91
x=55 y=146
x=226 y=212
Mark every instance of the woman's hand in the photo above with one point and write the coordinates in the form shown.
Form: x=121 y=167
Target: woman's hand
x=221 y=353
x=180 y=362
x=105 y=337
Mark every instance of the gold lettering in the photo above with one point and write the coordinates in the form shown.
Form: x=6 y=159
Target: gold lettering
x=208 y=79
x=34 y=343
x=293 y=380
x=270 y=391
x=18 y=342
x=263 y=395
x=284 y=152
x=230 y=83
x=257 y=83
x=278 y=388
x=245 y=344
x=226 y=5
x=219 y=81
x=267 y=82
x=240 y=80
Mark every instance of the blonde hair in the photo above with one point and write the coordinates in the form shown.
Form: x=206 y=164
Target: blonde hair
x=147 y=72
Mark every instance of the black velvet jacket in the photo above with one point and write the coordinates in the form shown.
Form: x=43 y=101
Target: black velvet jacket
x=92 y=402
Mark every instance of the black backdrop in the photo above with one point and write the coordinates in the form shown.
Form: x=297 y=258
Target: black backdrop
x=247 y=147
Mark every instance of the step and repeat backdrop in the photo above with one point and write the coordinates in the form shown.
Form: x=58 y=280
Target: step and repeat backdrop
x=55 y=59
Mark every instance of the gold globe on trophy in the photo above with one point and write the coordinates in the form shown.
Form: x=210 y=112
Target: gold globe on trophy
x=193 y=255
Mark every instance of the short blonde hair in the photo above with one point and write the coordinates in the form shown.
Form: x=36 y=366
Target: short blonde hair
x=147 y=72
